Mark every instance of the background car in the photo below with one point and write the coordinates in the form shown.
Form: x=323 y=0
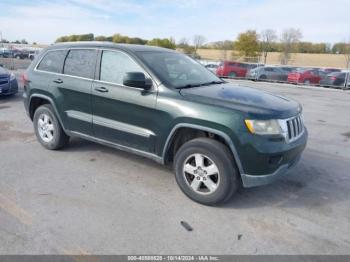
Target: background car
x=20 y=54
x=306 y=76
x=233 y=69
x=5 y=53
x=334 y=79
x=267 y=73
x=212 y=67
x=14 y=53
x=331 y=70
x=8 y=82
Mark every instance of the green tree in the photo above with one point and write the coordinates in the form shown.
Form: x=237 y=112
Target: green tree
x=85 y=37
x=62 y=39
x=100 y=38
x=247 y=43
x=165 y=42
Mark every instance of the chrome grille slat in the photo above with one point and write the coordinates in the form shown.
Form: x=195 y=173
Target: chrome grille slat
x=295 y=128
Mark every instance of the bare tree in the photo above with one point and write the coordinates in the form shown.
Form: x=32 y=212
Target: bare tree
x=268 y=36
x=289 y=39
x=183 y=42
x=198 y=41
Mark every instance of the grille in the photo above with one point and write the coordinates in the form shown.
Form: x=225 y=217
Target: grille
x=3 y=80
x=295 y=128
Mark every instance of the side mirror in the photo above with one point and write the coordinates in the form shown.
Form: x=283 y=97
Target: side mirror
x=137 y=79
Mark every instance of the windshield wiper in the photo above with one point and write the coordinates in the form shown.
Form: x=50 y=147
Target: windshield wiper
x=213 y=83
x=204 y=84
x=188 y=86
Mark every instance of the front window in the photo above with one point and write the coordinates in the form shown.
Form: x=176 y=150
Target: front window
x=114 y=66
x=178 y=70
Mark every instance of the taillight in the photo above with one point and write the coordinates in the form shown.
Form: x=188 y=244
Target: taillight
x=333 y=78
x=25 y=79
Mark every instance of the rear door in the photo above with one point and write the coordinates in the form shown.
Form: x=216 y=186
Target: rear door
x=121 y=114
x=315 y=77
x=73 y=89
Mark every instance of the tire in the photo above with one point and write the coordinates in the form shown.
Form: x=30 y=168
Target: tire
x=232 y=75
x=194 y=183
x=262 y=77
x=47 y=128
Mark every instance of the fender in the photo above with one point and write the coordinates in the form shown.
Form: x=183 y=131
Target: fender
x=52 y=104
x=207 y=129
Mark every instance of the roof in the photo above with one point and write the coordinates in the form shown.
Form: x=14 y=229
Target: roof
x=126 y=47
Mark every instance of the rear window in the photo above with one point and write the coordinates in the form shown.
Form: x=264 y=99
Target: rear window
x=232 y=64
x=53 y=61
x=337 y=74
x=80 y=63
x=288 y=69
x=302 y=70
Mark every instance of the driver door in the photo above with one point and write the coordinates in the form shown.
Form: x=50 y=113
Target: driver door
x=121 y=114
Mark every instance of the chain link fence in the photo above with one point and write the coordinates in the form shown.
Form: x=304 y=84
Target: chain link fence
x=322 y=70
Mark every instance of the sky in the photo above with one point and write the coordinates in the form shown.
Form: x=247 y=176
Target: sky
x=44 y=21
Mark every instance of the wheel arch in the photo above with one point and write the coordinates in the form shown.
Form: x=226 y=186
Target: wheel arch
x=228 y=141
x=36 y=100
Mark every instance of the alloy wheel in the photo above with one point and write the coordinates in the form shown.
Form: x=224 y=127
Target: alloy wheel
x=46 y=128
x=201 y=174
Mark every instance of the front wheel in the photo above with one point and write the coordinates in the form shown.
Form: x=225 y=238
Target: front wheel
x=205 y=171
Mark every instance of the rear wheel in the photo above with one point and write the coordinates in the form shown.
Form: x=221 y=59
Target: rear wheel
x=205 y=171
x=232 y=75
x=263 y=77
x=48 y=129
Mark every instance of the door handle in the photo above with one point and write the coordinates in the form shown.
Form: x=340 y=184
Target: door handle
x=101 y=89
x=58 y=81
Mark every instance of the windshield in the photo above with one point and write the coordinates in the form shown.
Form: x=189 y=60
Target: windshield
x=177 y=70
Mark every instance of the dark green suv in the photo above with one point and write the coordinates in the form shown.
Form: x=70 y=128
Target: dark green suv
x=163 y=105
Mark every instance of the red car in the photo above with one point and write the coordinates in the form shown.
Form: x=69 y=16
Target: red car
x=306 y=76
x=233 y=69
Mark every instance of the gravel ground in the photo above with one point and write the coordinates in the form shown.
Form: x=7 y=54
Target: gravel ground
x=90 y=199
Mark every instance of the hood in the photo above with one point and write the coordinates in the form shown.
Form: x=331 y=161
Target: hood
x=3 y=72
x=254 y=102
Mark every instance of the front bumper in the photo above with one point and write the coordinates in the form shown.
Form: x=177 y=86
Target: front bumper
x=253 y=181
x=10 y=88
x=265 y=166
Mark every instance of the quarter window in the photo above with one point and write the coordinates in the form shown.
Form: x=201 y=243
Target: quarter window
x=114 y=66
x=53 y=61
x=80 y=63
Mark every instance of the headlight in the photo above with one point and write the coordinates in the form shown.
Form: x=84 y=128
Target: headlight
x=12 y=76
x=264 y=127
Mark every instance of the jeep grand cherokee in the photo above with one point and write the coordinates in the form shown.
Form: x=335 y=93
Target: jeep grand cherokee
x=163 y=105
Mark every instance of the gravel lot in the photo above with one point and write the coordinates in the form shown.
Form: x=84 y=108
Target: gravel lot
x=90 y=199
